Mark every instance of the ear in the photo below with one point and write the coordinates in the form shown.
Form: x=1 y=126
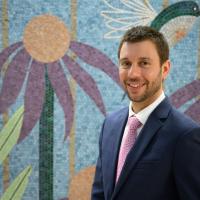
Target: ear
x=165 y=69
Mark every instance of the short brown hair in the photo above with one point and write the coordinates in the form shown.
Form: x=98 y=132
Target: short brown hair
x=142 y=33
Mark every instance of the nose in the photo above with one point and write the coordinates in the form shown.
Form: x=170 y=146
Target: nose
x=134 y=71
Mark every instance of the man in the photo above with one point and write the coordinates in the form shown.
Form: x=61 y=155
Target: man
x=162 y=160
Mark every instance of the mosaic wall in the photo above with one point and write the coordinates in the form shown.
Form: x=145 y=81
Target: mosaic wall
x=59 y=79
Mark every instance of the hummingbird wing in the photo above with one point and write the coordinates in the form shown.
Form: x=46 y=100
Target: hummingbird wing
x=176 y=21
x=176 y=29
x=132 y=13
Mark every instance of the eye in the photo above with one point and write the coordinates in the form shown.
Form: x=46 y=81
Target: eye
x=144 y=63
x=125 y=64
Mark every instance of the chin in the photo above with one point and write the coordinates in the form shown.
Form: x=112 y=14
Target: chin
x=137 y=98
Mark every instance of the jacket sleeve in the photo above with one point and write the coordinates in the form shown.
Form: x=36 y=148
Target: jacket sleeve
x=187 y=165
x=97 y=188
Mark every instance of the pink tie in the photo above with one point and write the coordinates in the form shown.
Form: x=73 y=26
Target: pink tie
x=127 y=143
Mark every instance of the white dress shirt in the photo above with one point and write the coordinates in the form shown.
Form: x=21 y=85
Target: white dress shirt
x=143 y=115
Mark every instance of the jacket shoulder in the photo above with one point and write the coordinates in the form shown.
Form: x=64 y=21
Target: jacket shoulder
x=180 y=124
x=114 y=116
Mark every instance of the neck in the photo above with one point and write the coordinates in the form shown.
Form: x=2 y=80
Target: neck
x=138 y=106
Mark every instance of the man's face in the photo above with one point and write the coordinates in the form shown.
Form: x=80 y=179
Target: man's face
x=140 y=71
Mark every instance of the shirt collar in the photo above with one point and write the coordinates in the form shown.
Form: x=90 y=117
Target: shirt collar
x=144 y=113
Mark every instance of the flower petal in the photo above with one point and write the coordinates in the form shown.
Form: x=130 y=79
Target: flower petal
x=96 y=58
x=185 y=93
x=62 y=90
x=194 y=112
x=85 y=81
x=34 y=98
x=7 y=51
x=13 y=79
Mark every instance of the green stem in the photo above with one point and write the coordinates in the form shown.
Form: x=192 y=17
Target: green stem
x=46 y=144
x=5 y=43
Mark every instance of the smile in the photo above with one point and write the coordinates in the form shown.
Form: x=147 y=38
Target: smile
x=134 y=85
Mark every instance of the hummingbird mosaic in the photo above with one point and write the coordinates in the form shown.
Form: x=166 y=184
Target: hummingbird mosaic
x=175 y=21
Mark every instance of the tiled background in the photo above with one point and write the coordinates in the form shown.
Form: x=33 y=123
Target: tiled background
x=74 y=158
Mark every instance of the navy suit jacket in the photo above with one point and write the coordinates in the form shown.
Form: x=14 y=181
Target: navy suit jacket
x=164 y=163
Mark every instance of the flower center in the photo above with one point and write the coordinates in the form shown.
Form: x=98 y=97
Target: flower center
x=46 y=38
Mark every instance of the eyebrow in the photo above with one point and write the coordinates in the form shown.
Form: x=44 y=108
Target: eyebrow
x=141 y=58
x=123 y=59
x=145 y=58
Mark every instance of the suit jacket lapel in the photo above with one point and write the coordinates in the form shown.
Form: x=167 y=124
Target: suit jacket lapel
x=152 y=126
x=116 y=134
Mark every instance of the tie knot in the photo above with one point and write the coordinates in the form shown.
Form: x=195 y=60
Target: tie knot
x=133 y=123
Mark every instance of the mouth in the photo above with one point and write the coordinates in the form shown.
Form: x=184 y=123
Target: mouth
x=135 y=85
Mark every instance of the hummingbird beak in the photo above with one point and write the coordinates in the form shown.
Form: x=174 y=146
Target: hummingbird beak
x=196 y=10
x=198 y=13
